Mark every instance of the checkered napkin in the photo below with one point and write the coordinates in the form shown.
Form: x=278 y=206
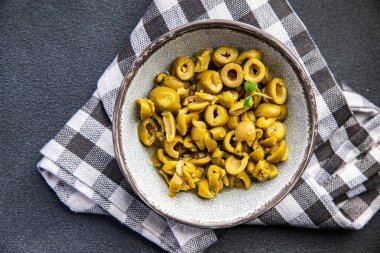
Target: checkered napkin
x=339 y=189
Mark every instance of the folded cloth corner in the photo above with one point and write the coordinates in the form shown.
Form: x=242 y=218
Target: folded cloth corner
x=339 y=189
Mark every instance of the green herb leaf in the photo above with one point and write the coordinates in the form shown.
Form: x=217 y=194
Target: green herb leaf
x=248 y=86
x=248 y=102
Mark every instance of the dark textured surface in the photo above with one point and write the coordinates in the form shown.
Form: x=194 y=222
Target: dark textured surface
x=51 y=55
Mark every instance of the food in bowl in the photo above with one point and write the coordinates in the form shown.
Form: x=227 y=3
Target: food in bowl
x=216 y=121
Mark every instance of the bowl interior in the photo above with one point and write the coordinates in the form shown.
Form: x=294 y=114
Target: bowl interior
x=231 y=206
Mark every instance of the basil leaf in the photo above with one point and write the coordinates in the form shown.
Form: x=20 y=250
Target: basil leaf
x=248 y=86
x=248 y=102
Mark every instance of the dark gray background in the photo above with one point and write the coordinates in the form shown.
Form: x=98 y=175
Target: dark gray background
x=51 y=55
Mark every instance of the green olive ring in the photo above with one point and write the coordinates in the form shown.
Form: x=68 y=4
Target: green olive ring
x=205 y=134
x=216 y=115
x=276 y=89
x=254 y=70
x=223 y=55
x=183 y=68
x=232 y=75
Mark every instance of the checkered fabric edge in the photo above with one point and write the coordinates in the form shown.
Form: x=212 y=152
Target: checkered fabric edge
x=339 y=189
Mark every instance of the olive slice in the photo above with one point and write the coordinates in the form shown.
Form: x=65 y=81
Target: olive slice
x=183 y=68
x=277 y=90
x=254 y=70
x=223 y=55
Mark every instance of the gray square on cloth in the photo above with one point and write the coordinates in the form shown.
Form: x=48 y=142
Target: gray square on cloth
x=339 y=189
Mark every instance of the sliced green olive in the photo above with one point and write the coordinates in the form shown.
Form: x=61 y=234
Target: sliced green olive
x=277 y=90
x=182 y=126
x=228 y=98
x=232 y=75
x=250 y=168
x=210 y=143
x=160 y=77
x=254 y=70
x=269 y=142
x=214 y=176
x=200 y=161
x=244 y=176
x=146 y=130
x=213 y=182
x=155 y=161
x=285 y=156
x=160 y=130
x=244 y=56
x=169 y=124
x=218 y=133
x=216 y=115
x=217 y=157
x=162 y=157
x=202 y=60
x=198 y=132
x=234 y=181
x=170 y=167
x=184 y=118
x=263 y=122
x=185 y=186
x=245 y=131
x=172 y=82
x=283 y=113
x=172 y=147
x=211 y=82
x=259 y=133
x=238 y=108
x=223 y=55
x=234 y=166
x=200 y=97
x=175 y=184
x=183 y=68
x=277 y=129
x=203 y=189
x=248 y=116
x=187 y=169
x=233 y=121
x=264 y=171
x=277 y=152
x=165 y=99
x=197 y=106
x=232 y=146
x=198 y=124
x=182 y=92
x=257 y=154
x=189 y=144
x=146 y=108
x=198 y=174
x=267 y=110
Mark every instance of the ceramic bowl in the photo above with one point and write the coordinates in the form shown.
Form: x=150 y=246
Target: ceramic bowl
x=231 y=206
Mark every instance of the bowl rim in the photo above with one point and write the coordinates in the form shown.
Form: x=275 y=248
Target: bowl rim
x=237 y=26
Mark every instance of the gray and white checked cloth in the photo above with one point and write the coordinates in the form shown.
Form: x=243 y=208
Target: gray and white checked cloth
x=339 y=189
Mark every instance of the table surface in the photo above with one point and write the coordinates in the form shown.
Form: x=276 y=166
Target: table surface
x=51 y=55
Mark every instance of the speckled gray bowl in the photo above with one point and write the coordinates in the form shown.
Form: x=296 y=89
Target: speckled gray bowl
x=231 y=206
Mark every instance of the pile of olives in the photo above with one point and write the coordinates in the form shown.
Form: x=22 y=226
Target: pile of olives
x=216 y=121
